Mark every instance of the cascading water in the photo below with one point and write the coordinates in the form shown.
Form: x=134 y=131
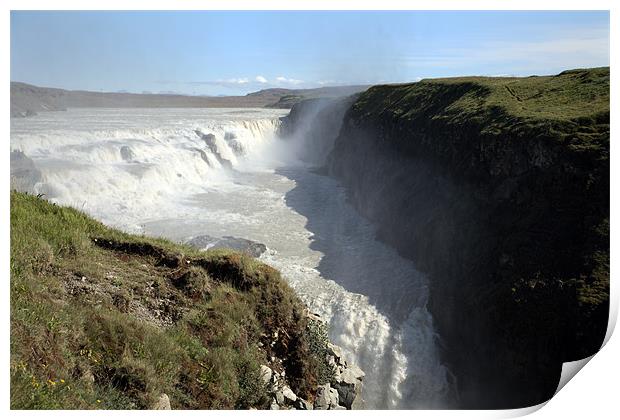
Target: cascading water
x=183 y=173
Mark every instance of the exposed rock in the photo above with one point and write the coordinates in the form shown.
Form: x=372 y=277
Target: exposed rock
x=163 y=403
x=252 y=248
x=313 y=316
x=335 y=351
x=326 y=398
x=352 y=373
x=127 y=154
x=274 y=405
x=333 y=398
x=302 y=404
x=203 y=155
x=322 y=400
x=289 y=395
x=208 y=137
x=349 y=386
x=266 y=374
x=331 y=360
x=348 y=393
x=236 y=146
x=211 y=142
x=279 y=395
x=347 y=381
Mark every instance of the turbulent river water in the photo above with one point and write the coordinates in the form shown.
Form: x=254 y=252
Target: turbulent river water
x=183 y=173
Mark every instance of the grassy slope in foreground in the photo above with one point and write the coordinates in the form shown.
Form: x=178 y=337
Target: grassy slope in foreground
x=103 y=319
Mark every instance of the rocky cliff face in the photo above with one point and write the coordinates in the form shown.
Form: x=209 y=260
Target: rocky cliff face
x=497 y=188
x=341 y=386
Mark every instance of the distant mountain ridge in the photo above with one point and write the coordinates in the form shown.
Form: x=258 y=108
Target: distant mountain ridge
x=27 y=100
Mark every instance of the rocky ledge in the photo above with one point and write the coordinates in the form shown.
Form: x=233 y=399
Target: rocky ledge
x=342 y=392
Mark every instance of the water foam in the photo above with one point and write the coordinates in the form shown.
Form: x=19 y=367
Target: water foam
x=142 y=168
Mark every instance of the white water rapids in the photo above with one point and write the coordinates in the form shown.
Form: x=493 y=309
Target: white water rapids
x=153 y=171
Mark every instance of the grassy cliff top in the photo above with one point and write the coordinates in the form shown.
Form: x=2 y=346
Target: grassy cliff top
x=569 y=95
x=103 y=319
x=570 y=110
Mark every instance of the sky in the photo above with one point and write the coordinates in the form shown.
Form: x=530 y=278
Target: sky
x=232 y=53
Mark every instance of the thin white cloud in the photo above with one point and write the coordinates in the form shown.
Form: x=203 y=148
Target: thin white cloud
x=261 y=82
x=286 y=81
x=235 y=81
x=232 y=82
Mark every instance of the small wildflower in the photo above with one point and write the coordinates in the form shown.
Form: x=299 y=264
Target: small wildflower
x=98 y=401
x=62 y=381
x=52 y=383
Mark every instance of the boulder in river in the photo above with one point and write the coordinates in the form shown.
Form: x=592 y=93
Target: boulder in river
x=252 y=248
x=127 y=154
x=211 y=143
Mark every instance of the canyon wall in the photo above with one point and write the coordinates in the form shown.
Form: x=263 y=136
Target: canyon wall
x=498 y=189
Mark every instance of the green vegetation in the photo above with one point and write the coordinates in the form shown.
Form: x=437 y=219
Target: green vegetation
x=103 y=319
x=566 y=96
x=571 y=106
x=316 y=335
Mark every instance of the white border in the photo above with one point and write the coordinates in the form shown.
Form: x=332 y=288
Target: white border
x=593 y=394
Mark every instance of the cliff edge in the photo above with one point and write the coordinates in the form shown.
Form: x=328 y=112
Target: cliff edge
x=498 y=189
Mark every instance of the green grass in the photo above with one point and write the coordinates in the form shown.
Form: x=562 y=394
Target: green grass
x=103 y=319
x=571 y=107
x=571 y=94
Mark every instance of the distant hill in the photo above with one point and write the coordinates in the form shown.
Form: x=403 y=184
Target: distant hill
x=286 y=98
x=28 y=99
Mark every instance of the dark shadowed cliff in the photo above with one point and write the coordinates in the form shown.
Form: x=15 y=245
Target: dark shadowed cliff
x=498 y=189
